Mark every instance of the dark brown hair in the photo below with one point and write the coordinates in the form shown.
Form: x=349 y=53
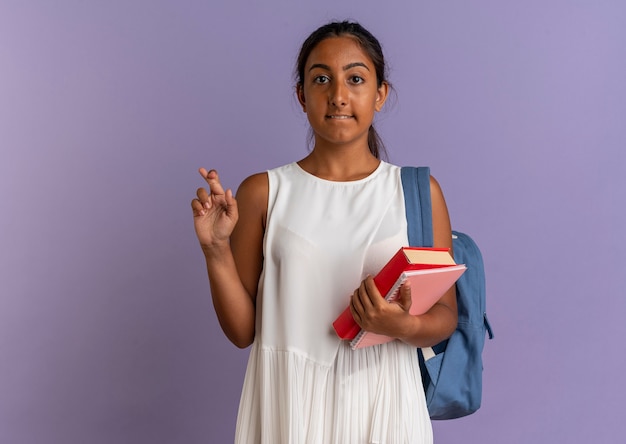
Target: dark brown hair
x=372 y=48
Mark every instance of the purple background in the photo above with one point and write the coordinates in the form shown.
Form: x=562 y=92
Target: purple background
x=107 y=109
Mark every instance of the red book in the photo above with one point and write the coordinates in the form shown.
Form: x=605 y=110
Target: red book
x=432 y=271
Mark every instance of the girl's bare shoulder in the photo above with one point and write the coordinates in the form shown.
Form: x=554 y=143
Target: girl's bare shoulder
x=252 y=194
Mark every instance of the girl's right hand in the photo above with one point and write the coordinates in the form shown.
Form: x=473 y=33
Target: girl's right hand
x=215 y=212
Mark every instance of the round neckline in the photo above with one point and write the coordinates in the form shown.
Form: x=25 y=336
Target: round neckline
x=341 y=182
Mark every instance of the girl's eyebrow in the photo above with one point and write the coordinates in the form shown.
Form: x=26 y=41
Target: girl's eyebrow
x=345 y=68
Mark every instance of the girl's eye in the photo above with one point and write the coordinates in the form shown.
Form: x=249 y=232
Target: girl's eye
x=321 y=79
x=357 y=79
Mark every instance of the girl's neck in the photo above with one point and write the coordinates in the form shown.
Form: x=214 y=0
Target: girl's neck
x=341 y=165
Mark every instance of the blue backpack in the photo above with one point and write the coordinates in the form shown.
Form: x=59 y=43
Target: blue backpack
x=451 y=370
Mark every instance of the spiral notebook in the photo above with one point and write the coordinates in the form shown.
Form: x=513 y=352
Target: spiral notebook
x=432 y=271
x=427 y=287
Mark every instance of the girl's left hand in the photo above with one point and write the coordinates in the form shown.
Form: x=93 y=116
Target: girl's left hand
x=374 y=314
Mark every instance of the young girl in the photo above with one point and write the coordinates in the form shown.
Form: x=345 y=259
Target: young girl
x=301 y=242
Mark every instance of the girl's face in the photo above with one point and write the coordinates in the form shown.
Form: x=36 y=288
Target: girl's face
x=340 y=93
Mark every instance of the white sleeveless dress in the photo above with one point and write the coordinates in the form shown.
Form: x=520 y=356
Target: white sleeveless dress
x=303 y=384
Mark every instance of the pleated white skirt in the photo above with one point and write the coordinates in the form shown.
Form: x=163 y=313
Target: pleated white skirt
x=370 y=395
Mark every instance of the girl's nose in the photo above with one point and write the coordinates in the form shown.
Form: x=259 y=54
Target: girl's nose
x=338 y=95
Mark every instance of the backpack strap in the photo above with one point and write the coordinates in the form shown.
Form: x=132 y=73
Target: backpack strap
x=418 y=206
x=419 y=219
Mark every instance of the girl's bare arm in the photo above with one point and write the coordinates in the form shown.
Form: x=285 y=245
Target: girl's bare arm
x=230 y=232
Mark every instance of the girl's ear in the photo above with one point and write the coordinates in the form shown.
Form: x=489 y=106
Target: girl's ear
x=381 y=95
x=301 y=99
